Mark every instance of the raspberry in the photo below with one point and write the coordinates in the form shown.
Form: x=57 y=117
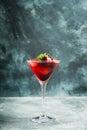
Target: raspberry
x=44 y=58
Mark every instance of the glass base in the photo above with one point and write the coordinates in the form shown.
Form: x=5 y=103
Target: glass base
x=43 y=119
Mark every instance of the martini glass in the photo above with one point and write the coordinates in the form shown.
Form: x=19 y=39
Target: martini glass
x=42 y=70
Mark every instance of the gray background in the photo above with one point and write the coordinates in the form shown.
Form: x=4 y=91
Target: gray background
x=30 y=27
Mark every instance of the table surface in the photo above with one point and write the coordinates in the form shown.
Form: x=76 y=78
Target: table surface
x=70 y=113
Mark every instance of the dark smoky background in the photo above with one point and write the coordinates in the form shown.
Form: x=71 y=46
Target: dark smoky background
x=31 y=27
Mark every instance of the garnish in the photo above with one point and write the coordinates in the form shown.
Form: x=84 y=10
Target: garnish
x=44 y=56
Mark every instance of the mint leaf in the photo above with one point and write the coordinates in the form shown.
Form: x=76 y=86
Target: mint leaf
x=41 y=56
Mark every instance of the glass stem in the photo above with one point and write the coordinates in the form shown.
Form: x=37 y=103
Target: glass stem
x=43 y=88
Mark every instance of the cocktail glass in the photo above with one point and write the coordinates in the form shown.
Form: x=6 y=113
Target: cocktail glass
x=43 y=70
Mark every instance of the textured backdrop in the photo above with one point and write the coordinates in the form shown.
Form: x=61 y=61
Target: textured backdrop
x=30 y=27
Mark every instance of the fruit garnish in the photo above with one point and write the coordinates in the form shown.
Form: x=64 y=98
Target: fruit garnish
x=45 y=57
x=42 y=56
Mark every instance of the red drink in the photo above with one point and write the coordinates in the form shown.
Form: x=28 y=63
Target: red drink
x=43 y=69
x=43 y=66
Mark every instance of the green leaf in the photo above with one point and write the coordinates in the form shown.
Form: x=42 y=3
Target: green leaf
x=41 y=56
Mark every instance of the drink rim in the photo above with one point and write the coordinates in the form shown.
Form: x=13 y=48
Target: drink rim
x=38 y=61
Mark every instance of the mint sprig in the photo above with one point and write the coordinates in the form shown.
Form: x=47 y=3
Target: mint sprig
x=41 y=56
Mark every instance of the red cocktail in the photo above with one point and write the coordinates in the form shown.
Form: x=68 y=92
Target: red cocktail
x=43 y=69
x=43 y=66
